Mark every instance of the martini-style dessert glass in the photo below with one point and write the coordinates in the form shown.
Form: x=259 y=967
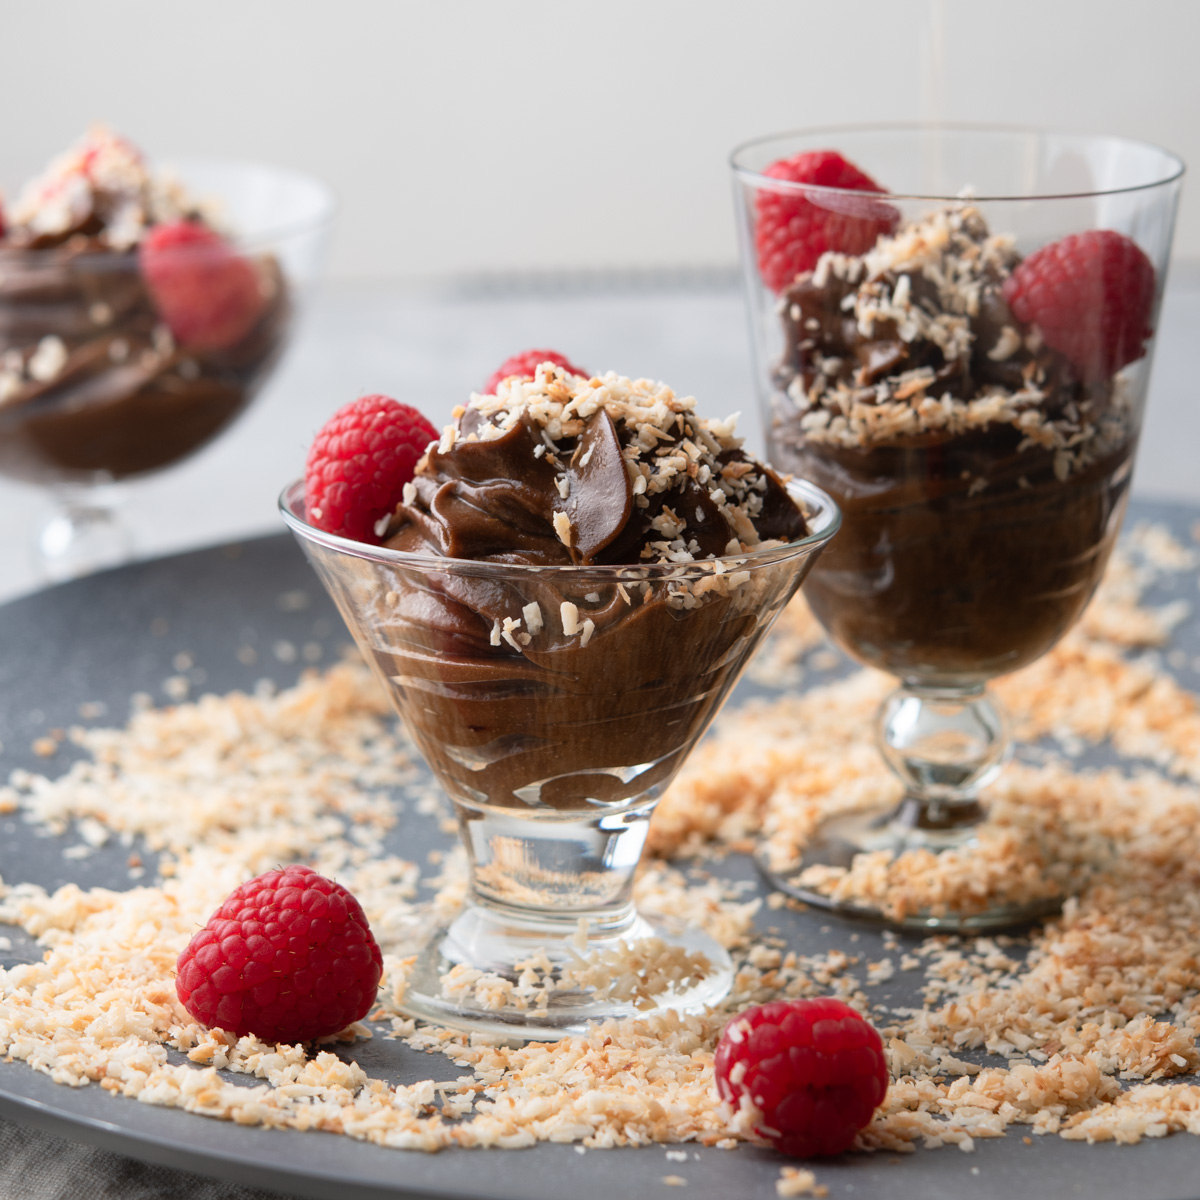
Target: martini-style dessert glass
x=140 y=312
x=559 y=605
x=953 y=331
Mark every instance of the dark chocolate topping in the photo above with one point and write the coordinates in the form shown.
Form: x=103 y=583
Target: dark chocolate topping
x=519 y=496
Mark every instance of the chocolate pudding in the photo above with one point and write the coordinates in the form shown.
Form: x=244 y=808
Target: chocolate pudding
x=608 y=567
x=981 y=479
x=92 y=380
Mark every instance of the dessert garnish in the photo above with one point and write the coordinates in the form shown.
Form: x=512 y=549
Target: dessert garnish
x=100 y=190
x=1091 y=295
x=943 y=327
x=525 y=365
x=813 y=1069
x=359 y=464
x=288 y=957
x=209 y=296
x=794 y=230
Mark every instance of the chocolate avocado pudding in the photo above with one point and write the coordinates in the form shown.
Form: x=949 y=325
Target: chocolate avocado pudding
x=981 y=476
x=540 y=687
x=97 y=375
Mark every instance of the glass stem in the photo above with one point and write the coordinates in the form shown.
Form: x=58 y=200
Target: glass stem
x=560 y=867
x=944 y=743
x=84 y=533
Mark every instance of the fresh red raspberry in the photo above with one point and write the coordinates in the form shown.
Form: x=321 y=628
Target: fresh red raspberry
x=359 y=463
x=794 y=229
x=526 y=364
x=208 y=295
x=288 y=957
x=813 y=1068
x=1091 y=295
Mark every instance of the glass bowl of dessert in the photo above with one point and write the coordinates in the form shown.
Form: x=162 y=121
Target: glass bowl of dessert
x=557 y=606
x=140 y=312
x=953 y=330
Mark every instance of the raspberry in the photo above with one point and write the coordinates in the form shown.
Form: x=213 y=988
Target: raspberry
x=359 y=463
x=526 y=364
x=795 y=229
x=813 y=1068
x=288 y=957
x=209 y=296
x=1091 y=295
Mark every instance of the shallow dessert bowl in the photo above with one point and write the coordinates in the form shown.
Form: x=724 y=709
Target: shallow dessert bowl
x=982 y=481
x=554 y=706
x=116 y=397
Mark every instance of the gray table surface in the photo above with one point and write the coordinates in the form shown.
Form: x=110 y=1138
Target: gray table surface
x=52 y=651
x=430 y=350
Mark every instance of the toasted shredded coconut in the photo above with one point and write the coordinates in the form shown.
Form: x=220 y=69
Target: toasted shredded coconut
x=570 y=618
x=532 y=613
x=957 y=260
x=1087 y=1026
x=562 y=527
x=798 y=1181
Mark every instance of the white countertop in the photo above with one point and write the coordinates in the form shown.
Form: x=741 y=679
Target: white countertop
x=430 y=350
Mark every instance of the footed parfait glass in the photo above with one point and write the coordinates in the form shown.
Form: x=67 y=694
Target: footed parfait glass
x=554 y=705
x=981 y=453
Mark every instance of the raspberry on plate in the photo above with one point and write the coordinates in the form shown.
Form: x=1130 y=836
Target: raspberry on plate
x=1091 y=294
x=814 y=1069
x=359 y=463
x=209 y=296
x=794 y=229
x=288 y=957
x=526 y=364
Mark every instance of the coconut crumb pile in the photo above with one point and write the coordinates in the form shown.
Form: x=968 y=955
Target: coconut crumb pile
x=1086 y=1030
x=640 y=973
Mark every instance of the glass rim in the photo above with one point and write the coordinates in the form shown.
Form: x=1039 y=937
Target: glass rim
x=322 y=217
x=749 y=175
x=292 y=496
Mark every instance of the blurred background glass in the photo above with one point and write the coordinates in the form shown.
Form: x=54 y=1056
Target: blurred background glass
x=113 y=365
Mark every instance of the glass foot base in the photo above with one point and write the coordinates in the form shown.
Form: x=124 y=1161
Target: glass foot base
x=533 y=981
x=911 y=827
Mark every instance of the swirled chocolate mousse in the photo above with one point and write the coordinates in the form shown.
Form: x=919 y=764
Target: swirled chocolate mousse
x=535 y=685
x=981 y=473
x=130 y=331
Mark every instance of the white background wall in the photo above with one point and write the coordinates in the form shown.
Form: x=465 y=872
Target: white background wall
x=469 y=136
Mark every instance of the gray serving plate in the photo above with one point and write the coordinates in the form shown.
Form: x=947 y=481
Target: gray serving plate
x=106 y=637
